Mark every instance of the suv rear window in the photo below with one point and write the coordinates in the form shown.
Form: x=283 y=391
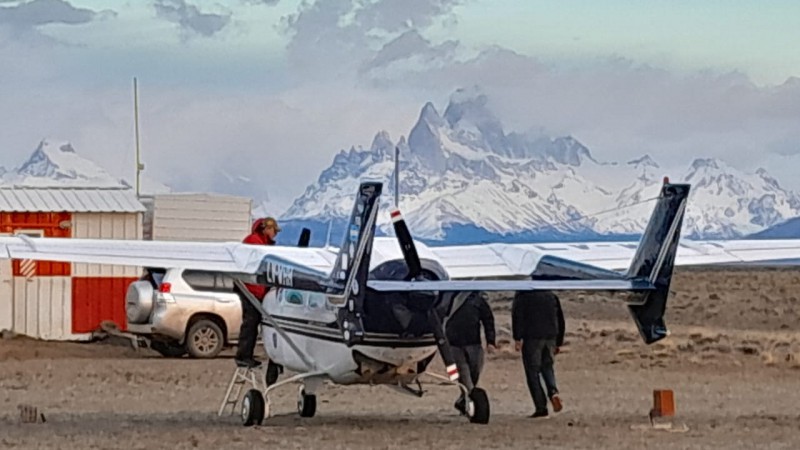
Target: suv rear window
x=201 y=280
x=154 y=276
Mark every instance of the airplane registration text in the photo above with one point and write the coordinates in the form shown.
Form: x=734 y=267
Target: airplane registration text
x=279 y=274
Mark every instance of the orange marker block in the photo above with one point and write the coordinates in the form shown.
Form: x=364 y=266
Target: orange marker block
x=663 y=403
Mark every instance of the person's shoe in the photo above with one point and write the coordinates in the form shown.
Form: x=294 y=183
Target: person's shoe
x=540 y=415
x=556 y=401
x=249 y=363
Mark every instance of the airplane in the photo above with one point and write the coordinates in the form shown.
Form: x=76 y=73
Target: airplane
x=375 y=312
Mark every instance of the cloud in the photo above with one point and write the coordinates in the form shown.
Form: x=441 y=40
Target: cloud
x=263 y=2
x=25 y=18
x=413 y=51
x=789 y=146
x=344 y=37
x=189 y=17
x=355 y=67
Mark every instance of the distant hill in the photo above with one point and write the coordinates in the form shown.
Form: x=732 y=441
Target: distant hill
x=785 y=230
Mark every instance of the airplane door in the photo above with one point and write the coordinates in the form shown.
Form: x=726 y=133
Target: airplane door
x=6 y=295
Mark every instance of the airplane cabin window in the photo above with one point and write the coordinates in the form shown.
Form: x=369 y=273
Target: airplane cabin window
x=316 y=301
x=293 y=298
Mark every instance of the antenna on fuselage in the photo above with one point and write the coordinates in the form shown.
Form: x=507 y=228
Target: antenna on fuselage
x=397 y=176
x=328 y=237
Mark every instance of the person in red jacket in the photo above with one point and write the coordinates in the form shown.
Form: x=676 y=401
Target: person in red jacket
x=263 y=232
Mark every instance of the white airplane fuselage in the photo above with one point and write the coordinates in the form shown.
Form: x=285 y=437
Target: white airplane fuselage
x=309 y=320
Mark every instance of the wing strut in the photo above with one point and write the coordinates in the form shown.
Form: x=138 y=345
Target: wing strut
x=267 y=317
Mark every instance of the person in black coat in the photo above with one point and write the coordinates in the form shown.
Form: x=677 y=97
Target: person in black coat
x=464 y=334
x=537 y=324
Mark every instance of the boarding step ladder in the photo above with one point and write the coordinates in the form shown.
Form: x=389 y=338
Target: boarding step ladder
x=241 y=377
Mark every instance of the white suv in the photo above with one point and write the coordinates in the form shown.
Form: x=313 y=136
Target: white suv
x=184 y=311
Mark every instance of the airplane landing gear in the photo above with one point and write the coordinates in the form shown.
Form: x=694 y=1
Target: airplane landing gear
x=478 y=409
x=272 y=373
x=253 y=408
x=306 y=403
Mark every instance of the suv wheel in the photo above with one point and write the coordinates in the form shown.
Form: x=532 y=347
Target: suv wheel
x=168 y=350
x=204 y=339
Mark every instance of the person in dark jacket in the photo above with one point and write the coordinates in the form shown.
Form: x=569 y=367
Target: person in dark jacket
x=464 y=334
x=263 y=232
x=537 y=324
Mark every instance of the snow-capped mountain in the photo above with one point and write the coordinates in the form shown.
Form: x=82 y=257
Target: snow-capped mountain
x=464 y=179
x=57 y=164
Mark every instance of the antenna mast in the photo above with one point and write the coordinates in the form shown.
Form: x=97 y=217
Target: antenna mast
x=139 y=165
x=397 y=176
x=328 y=236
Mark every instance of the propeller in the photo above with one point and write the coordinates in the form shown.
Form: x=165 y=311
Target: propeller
x=414 y=271
x=406 y=245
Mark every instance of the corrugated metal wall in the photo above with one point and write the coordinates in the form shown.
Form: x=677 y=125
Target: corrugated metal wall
x=6 y=295
x=52 y=224
x=39 y=306
x=200 y=217
x=42 y=307
x=62 y=301
x=98 y=291
x=106 y=226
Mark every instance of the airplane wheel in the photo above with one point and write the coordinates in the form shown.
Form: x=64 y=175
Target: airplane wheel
x=253 y=408
x=272 y=373
x=306 y=404
x=479 y=406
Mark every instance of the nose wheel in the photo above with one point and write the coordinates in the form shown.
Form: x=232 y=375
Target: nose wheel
x=477 y=408
x=253 y=408
x=306 y=403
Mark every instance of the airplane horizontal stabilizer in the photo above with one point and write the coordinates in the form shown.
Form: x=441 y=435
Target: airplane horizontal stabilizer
x=510 y=285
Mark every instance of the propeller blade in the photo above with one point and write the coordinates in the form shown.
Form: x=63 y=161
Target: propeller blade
x=305 y=238
x=445 y=351
x=406 y=244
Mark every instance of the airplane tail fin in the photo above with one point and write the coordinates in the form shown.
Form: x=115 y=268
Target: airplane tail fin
x=351 y=269
x=654 y=261
x=349 y=275
x=352 y=263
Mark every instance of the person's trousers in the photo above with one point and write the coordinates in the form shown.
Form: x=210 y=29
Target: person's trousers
x=248 y=332
x=548 y=372
x=469 y=360
x=537 y=359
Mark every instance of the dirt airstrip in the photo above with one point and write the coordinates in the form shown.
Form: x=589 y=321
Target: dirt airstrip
x=733 y=361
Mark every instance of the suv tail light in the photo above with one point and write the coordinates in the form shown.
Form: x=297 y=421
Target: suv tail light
x=165 y=288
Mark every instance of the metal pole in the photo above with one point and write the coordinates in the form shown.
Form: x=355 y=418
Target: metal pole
x=136 y=126
x=397 y=176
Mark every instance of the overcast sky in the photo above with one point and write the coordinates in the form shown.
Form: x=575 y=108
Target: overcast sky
x=272 y=89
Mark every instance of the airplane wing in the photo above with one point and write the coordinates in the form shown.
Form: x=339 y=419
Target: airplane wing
x=519 y=260
x=223 y=257
x=486 y=261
